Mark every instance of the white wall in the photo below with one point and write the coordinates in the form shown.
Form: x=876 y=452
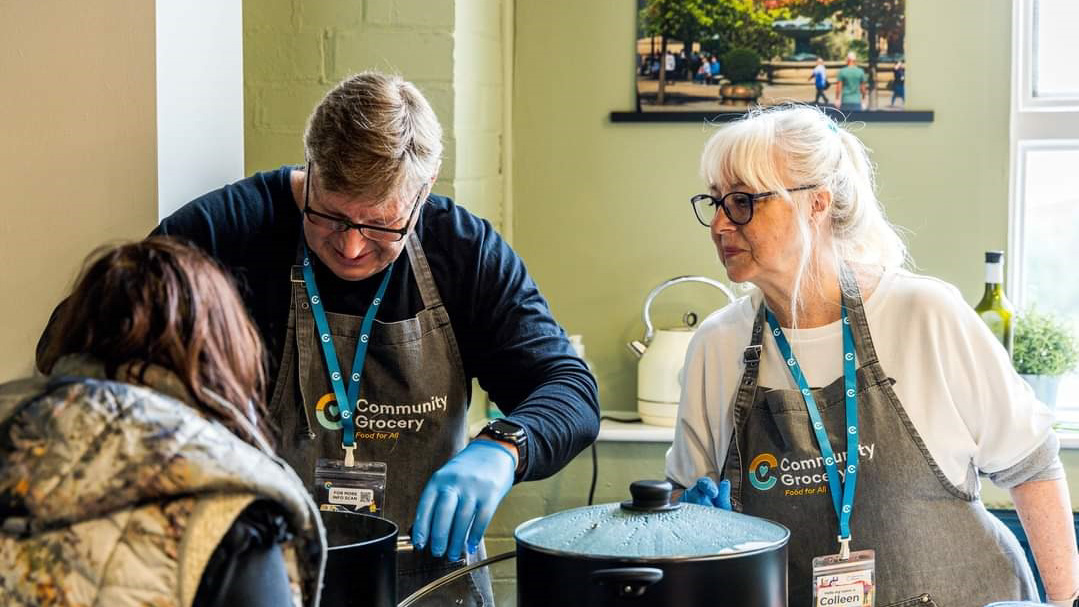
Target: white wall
x=200 y=105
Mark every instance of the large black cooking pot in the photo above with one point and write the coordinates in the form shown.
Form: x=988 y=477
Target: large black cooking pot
x=649 y=552
x=361 y=564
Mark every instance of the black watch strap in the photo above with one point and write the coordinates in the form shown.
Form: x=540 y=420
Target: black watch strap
x=507 y=431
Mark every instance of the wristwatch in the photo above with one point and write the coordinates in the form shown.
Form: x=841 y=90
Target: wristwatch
x=509 y=432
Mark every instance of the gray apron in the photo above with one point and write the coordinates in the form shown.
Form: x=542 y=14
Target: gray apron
x=935 y=543
x=411 y=413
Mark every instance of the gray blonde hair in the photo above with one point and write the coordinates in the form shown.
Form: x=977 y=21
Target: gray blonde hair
x=373 y=134
x=802 y=144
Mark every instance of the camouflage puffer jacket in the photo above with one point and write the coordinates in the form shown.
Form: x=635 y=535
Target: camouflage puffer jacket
x=117 y=494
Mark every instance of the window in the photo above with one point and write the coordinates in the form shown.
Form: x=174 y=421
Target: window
x=1044 y=158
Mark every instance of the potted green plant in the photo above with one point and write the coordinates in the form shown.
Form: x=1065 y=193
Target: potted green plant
x=1045 y=349
x=741 y=67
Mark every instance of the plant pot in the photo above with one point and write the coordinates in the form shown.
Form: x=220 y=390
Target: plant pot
x=1045 y=387
x=742 y=92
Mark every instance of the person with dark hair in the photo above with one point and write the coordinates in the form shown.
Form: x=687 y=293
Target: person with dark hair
x=380 y=303
x=899 y=83
x=140 y=470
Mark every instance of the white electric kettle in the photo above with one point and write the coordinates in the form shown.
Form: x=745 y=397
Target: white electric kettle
x=662 y=354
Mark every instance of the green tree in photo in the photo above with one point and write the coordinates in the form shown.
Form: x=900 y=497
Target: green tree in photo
x=746 y=24
x=718 y=25
x=879 y=18
x=683 y=20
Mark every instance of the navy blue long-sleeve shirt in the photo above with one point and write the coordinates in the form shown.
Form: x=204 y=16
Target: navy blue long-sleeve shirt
x=507 y=336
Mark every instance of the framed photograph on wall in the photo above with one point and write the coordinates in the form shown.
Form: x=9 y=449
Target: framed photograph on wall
x=723 y=56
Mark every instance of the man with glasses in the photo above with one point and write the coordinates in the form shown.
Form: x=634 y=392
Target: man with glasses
x=373 y=292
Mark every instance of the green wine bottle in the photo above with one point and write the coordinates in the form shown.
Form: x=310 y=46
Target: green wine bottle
x=994 y=308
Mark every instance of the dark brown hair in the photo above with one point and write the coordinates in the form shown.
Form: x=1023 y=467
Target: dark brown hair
x=165 y=303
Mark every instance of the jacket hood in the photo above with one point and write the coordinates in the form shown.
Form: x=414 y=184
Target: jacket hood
x=77 y=446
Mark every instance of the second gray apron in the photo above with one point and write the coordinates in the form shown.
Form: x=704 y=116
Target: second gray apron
x=935 y=543
x=411 y=413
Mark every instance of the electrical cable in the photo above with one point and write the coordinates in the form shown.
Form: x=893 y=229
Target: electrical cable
x=595 y=457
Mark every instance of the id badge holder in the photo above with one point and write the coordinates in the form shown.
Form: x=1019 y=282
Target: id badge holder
x=845 y=582
x=360 y=488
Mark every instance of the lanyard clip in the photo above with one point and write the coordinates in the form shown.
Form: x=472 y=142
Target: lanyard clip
x=350 y=459
x=844 y=548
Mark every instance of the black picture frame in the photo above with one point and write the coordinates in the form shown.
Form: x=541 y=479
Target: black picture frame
x=713 y=60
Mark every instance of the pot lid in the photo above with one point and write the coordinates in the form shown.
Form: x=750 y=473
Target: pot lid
x=648 y=527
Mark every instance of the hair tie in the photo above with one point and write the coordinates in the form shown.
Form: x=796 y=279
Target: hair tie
x=832 y=127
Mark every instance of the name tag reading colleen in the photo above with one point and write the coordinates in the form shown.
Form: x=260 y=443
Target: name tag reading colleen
x=839 y=582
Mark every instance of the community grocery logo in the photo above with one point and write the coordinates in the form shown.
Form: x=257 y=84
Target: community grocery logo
x=381 y=417
x=328 y=413
x=761 y=471
x=805 y=476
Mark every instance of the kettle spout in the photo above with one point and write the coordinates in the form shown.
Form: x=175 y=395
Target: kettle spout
x=637 y=348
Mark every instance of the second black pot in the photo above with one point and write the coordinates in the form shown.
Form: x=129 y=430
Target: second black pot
x=361 y=564
x=649 y=552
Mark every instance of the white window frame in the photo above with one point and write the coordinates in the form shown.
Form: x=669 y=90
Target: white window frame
x=1036 y=124
x=1023 y=64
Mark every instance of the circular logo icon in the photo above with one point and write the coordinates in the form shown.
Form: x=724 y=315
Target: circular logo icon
x=761 y=474
x=327 y=412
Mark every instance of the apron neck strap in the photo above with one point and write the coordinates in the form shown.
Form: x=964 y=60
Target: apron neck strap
x=852 y=300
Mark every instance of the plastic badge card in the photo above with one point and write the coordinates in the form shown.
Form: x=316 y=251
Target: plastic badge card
x=357 y=489
x=844 y=583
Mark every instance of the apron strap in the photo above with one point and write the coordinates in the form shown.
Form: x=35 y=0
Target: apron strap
x=863 y=340
x=424 y=279
x=743 y=401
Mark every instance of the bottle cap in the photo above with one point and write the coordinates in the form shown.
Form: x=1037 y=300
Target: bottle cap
x=994 y=256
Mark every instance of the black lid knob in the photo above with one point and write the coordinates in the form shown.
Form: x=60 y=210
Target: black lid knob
x=994 y=256
x=650 y=496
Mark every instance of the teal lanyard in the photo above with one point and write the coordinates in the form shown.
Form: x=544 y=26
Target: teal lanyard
x=850 y=384
x=346 y=400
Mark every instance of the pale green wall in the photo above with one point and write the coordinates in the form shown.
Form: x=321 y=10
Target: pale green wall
x=478 y=95
x=295 y=51
x=601 y=211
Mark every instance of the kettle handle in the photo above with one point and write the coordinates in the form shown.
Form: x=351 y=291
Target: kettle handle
x=649 y=329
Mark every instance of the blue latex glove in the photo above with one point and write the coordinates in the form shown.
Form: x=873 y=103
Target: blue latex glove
x=460 y=499
x=707 y=493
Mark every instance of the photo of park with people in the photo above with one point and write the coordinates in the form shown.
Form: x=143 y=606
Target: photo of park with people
x=727 y=55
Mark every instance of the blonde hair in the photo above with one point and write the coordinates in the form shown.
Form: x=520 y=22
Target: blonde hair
x=373 y=134
x=802 y=144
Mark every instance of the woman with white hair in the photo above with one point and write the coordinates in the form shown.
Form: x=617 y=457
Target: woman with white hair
x=854 y=401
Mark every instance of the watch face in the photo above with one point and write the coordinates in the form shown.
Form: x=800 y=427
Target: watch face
x=507 y=430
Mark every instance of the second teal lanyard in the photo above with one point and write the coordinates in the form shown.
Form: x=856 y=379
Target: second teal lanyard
x=843 y=505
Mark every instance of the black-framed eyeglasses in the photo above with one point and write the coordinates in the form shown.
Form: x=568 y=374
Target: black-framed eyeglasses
x=738 y=206
x=341 y=224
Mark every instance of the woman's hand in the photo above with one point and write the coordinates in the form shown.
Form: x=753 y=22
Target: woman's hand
x=707 y=493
